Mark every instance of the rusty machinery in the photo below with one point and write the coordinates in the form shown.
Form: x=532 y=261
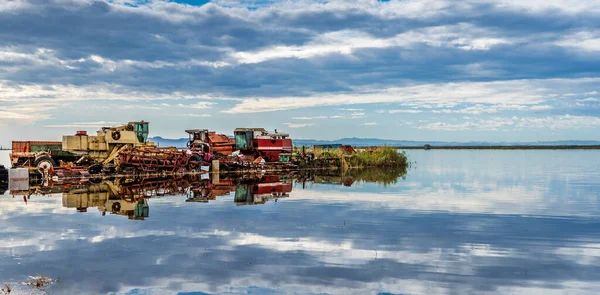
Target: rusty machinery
x=261 y=143
x=210 y=142
x=104 y=148
x=112 y=149
x=81 y=149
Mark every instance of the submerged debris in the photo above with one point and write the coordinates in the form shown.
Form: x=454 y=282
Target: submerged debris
x=40 y=282
x=6 y=289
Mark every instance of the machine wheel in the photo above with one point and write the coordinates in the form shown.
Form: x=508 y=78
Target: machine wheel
x=116 y=207
x=45 y=163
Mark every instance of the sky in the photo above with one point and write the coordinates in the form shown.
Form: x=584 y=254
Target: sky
x=485 y=70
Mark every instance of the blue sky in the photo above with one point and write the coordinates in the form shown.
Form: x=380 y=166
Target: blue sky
x=418 y=70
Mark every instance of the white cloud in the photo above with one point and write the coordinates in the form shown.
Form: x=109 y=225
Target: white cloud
x=357 y=115
x=585 y=41
x=516 y=123
x=196 y=115
x=299 y=125
x=462 y=36
x=405 y=111
x=201 y=105
x=54 y=93
x=541 y=108
x=6 y=115
x=538 y=6
x=98 y=124
x=589 y=99
x=492 y=109
x=370 y=123
x=512 y=94
x=309 y=118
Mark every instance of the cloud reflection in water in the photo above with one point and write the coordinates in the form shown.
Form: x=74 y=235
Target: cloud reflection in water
x=461 y=222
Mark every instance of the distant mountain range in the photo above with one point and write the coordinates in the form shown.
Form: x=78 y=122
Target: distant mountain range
x=354 y=141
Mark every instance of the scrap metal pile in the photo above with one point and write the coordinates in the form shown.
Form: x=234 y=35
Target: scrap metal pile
x=125 y=149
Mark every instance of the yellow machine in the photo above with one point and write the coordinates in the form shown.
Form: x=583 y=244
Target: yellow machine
x=107 y=198
x=105 y=146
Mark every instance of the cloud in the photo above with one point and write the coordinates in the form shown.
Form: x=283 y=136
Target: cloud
x=309 y=118
x=517 y=123
x=196 y=115
x=513 y=94
x=584 y=41
x=52 y=94
x=281 y=56
x=589 y=99
x=98 y=124
x=201 y=105
x=461 y=36
x=6 y=115
x=541 y=108
x=404 y=111
x=370 y=123
x=299 y=125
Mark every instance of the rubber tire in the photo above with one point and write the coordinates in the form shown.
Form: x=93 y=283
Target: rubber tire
x=41 y=159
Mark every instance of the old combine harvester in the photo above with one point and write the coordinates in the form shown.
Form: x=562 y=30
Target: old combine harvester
x=210 y=142
x=250 y=149
x=257 y=142
x=125 y=149
x=122 y=148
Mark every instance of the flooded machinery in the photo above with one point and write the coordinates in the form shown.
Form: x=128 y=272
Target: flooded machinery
x=132 y=159
x=104 y=148
x=210 y=141
x=261 y=143
x=123 y=148
x=80 y=149
x=41 y=154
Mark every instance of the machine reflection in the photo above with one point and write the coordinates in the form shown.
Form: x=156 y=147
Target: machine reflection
x=129 y=196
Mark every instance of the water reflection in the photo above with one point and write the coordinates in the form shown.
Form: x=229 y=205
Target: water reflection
x=474 y=223
x=128 y=196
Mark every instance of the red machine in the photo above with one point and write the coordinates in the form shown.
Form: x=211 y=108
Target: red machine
x=259 y=142
x=270 y=187
x=210 y=141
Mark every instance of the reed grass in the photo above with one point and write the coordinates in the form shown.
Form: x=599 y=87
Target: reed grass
x=382 y=157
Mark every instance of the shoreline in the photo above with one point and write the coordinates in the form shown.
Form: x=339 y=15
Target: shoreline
x=502 y=147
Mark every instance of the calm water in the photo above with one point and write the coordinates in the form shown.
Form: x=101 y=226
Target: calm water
x=460 y=222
